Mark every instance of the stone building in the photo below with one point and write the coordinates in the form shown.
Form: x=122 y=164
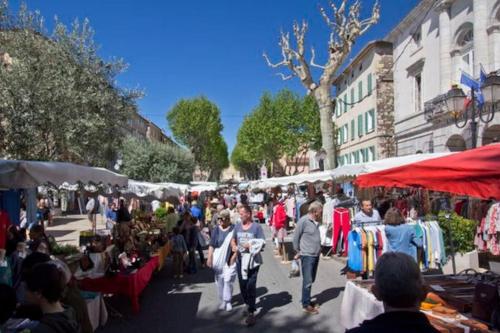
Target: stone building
x=143 y=128
x=364 y=106
x=433 y=45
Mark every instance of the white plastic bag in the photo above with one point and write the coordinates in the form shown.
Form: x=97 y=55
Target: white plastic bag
x=295 y=270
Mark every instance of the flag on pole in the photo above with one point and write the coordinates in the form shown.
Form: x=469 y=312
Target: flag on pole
x=482 y=74
x=473 y=84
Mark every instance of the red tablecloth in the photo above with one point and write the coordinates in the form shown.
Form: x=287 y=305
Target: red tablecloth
x=129 y=285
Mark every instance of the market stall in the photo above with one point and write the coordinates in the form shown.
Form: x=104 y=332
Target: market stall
x=450 y=305
x=467 y=299
x=130 y=285
x=475 y=173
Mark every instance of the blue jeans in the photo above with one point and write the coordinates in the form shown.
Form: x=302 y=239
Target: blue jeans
x=248 y=287
x=309 y=269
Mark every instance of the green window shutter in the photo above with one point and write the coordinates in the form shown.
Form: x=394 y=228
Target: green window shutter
x=370 y=83
x=366 y=122
x=346 y=133
x=337 y=108
x=353 y=98
x=353 y=129
x=346 y=105
x=338 y=136
x=372 y=116
x=360 y=90
x=372 y=152
x=360 y=125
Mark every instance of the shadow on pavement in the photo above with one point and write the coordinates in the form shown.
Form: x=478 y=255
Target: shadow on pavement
x=328 y=295
x=272 y=301
x=59 y=233
x=238 y=299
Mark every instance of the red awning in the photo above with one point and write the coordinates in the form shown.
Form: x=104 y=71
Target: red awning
x=475 y=173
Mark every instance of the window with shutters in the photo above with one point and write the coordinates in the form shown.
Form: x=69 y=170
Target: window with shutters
x=353 y=158
x=370 y=121
x=372 y=153
x=353 y=98
x=345 y=132
x=356 y=156
x=353 y=129
x=346 y=104
x=360 y=90
x=370 y=84
x=360 y=125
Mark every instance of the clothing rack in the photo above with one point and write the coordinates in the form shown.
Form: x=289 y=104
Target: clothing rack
x=360 y=223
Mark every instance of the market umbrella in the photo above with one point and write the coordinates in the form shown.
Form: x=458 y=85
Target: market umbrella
x=474 y=173
x=28 y=174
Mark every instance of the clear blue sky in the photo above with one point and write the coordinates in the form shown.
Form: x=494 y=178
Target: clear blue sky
x=181 y=49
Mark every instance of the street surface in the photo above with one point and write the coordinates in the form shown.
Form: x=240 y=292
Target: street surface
x=190 y=304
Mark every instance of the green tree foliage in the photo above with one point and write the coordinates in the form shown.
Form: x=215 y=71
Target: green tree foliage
x=59 y=99
x=196 y=124
x=156 y=162
x=284 y=125
x=460 y=229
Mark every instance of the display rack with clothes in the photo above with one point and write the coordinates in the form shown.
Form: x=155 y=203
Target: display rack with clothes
x=368 y=241
x=487 y=236
x=433 y=253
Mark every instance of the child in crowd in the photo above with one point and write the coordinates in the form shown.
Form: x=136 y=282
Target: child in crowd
x=179 y=249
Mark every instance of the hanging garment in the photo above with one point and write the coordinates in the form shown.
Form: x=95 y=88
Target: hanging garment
x=4 y=225
x=341 y=226
x=355 y=260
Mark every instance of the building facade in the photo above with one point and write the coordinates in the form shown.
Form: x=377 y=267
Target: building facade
x=142 y=128
x=364 y=106
x=433 y=45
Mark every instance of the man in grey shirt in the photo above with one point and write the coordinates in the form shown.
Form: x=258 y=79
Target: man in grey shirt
x=367 y=213
x=307 y=245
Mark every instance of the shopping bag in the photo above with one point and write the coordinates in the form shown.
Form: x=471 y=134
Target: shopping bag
x=295 y=270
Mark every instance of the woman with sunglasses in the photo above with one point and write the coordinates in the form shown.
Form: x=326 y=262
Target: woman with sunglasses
x=222 y=260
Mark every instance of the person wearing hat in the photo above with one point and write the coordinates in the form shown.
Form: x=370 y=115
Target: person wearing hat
x=222 y=260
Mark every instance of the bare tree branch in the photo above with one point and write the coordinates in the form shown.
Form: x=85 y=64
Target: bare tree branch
x=270 y=64
x=285 y=77
x=313 y=57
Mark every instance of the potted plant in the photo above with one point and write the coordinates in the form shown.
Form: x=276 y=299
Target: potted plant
x=459 y=233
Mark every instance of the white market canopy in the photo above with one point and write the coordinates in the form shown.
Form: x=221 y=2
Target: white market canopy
x=28 y=174
x=343 y=172
x=202 y=186
x=153 y=191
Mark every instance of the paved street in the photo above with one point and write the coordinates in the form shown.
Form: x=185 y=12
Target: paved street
x=190 y=304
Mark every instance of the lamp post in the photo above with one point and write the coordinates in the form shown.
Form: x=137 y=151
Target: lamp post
x=455 y=100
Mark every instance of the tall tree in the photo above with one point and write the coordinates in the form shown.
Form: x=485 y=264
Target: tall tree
x=156 y=162
x=58 y=98
x=281 y=126
x=196 y=124
x=345 y=27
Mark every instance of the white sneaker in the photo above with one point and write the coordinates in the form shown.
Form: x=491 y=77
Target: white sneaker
x=229 y=307
x=222 y=306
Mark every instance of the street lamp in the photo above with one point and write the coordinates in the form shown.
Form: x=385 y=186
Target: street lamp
x=455 y=100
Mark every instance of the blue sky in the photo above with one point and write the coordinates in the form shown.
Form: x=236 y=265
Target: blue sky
x=181 y=49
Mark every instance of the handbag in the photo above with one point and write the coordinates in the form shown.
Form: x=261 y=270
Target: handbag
x=486 y=299
x=219 y=256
